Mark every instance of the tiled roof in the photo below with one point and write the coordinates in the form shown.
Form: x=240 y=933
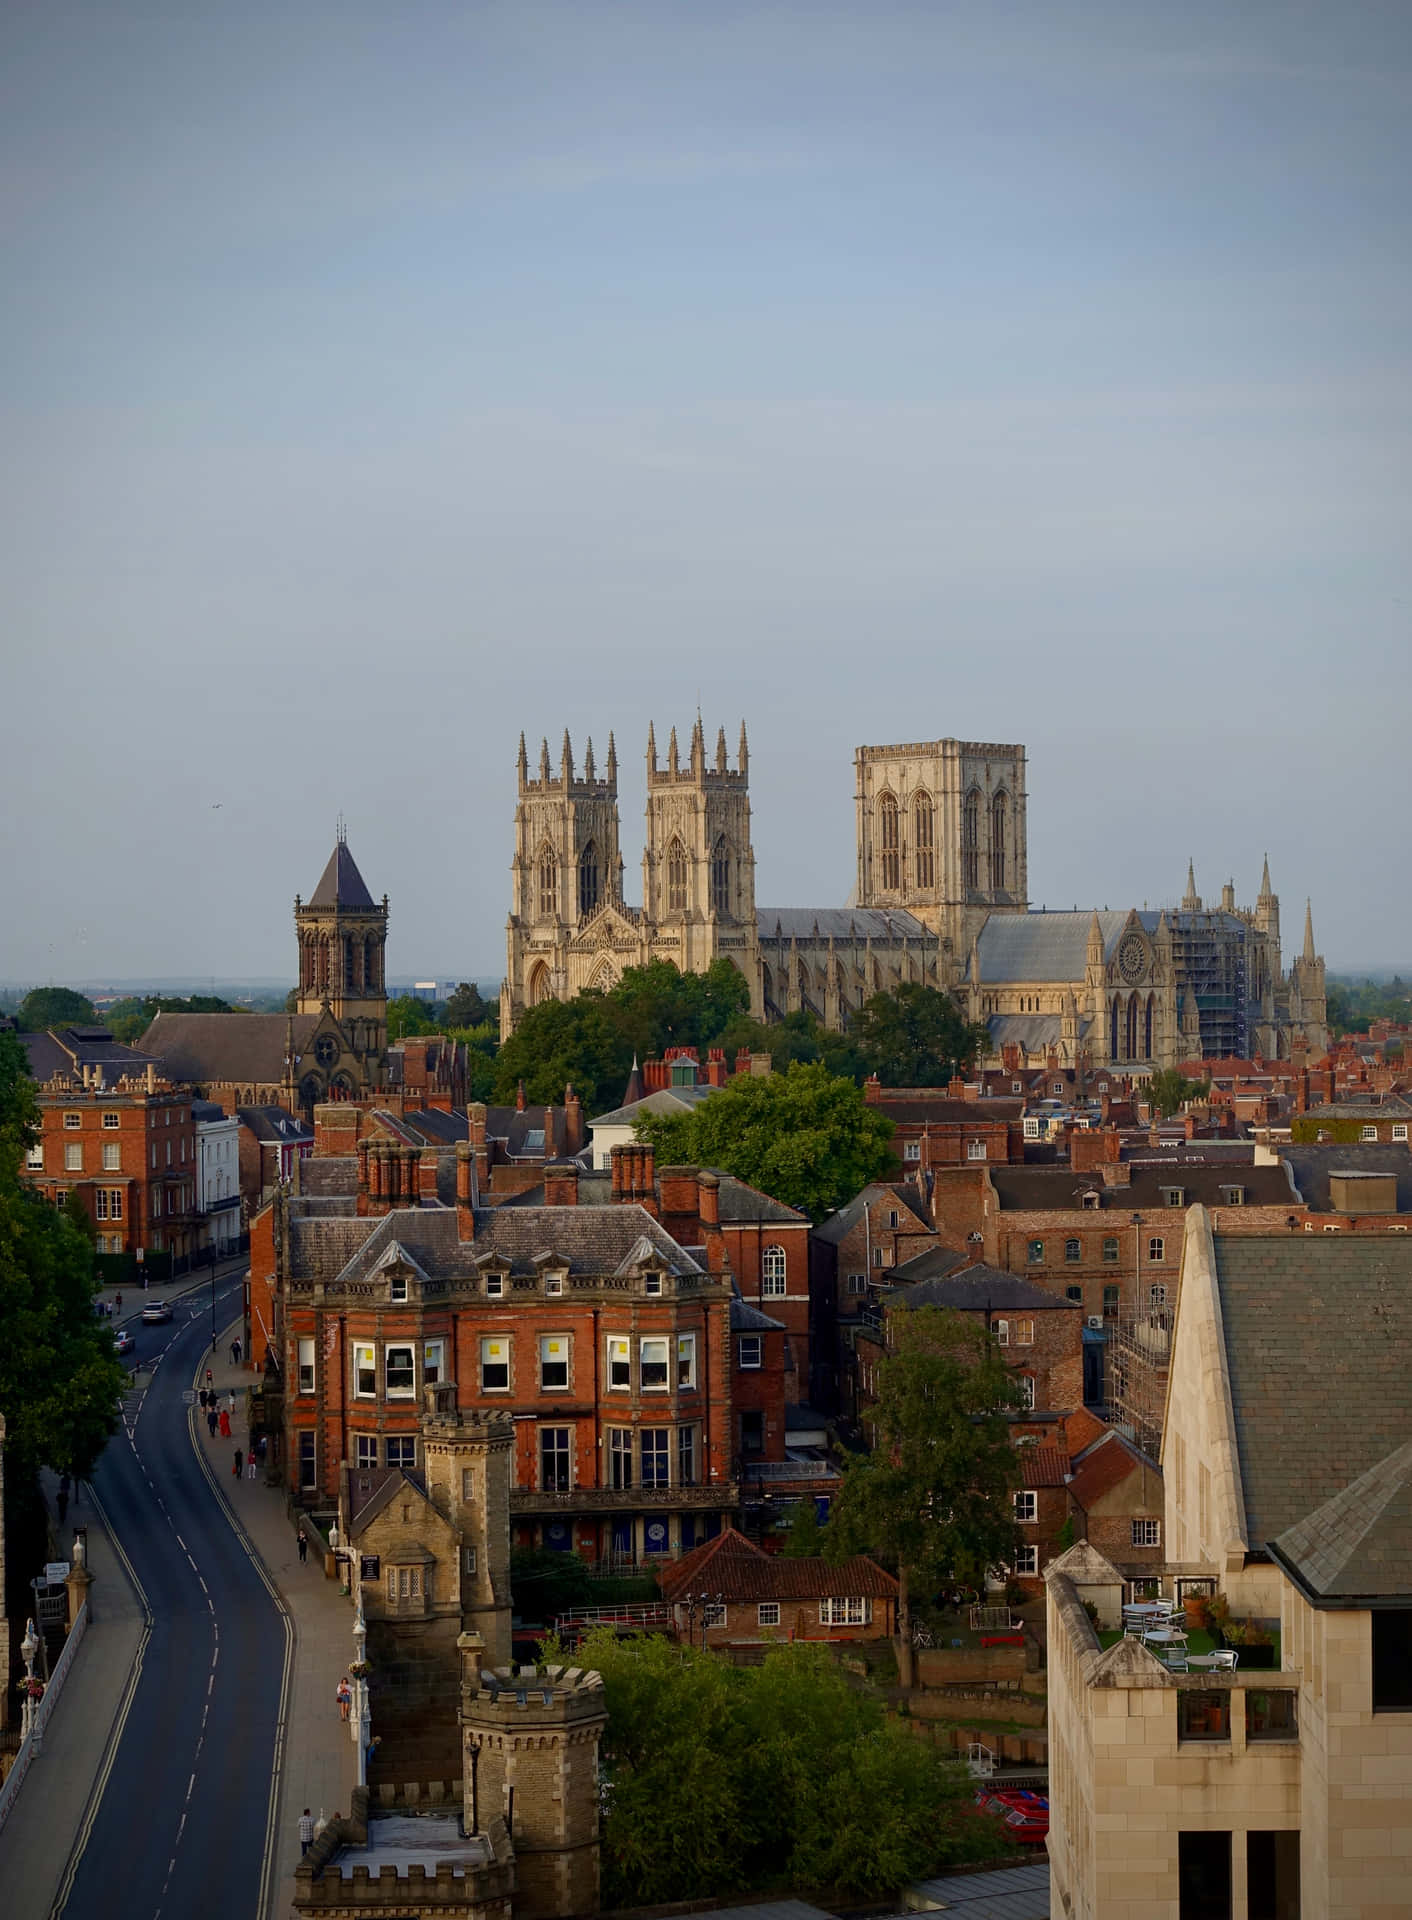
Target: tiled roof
x=1359 y=1543
x=979 y=1287
x=840 y=1224
x=1382 y=1106
x=1318 y=1329
x=934 y=1263
x=274 y=1124
x=671 y=1102
x=1061 y=1190
x=1104 y=1466
x=1081 y=1429
x=748 y=1319
x=1043 y=1467
x=737 y=1569
x=909 y=1110
x=341 y=884
x=224 y=1047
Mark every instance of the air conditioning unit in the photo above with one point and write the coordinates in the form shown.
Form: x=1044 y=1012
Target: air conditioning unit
x=1095 y=1320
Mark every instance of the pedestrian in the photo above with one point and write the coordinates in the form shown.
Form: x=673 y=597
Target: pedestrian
x=306 y=1832
x=118 y=1303
x=235 y=1353
x=344 y=1696
x=211 y=1421
x=232 y=1400
x=209 y=1377
x=203 y=1399
x=303 y=1546
x=250 y=1465
x=239 y=1462
x=225 y=1424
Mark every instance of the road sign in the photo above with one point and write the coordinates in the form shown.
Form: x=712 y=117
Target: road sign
x=188 y=1396
x=56 y=1570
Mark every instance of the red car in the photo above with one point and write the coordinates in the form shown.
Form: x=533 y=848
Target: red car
x=1025 y=1813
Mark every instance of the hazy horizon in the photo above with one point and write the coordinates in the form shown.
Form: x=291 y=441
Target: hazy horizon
x=378 y=384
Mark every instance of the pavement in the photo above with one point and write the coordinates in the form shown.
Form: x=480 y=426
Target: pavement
x=96 y=1778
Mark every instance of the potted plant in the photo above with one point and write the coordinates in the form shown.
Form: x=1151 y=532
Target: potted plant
x=1197 y=1608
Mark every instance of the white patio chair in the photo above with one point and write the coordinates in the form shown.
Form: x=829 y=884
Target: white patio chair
x=1225 y=1660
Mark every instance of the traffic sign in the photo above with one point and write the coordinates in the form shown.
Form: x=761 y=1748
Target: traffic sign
x=188 y=1396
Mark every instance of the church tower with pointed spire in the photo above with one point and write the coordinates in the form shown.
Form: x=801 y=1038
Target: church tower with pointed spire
x=342 y=934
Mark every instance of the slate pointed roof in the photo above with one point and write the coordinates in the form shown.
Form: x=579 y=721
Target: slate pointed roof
x=342 y=884
x=1359 y=1543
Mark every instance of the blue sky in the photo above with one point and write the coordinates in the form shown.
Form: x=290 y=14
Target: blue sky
x=378 y=382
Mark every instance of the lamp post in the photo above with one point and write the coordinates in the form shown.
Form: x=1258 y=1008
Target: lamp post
x=29 y=1649
x=362 y=1713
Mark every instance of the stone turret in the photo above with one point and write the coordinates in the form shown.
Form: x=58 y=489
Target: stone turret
x=1191 y=899
x=529 y=1742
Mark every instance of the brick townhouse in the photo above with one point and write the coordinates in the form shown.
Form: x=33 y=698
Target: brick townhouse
x=118 y=1136
x=949 y=1127
x=606 y=1340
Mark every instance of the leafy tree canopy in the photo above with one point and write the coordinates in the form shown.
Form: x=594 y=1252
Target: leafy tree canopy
x=127 y=1020
x=46 y=1007
x=915 y=1036
x=1168 y=1089
x=725 y=1780
x=409 y=1014
x=933 y=1496
x=59 y=1376
x=805 y=1136
x=1353 y=1005
x=466 y=1008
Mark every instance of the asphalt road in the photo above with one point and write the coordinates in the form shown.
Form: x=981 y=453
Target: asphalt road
x=180 y=1822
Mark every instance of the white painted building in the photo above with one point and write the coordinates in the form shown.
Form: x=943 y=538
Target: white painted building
x=218 y=1177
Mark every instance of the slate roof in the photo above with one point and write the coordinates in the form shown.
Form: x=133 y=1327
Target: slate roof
x=207 y=1111
x=980 y=1287
x=1385 y=1106
x=1311 y=1167
x=1003 y=1893
x=843 y=925
x=1043 y=946
x=1318 y=1328
x=341 y=884
x=737 y=1569
x=668 y=1101
x=1035 y=1032
x=748 y=1319
x=909 y=1108
x=933 y=1263
x=1359 y=1543
x=840 y=1224
x=274 y=1124
x=1060 y=1189
x=66 y=1049
x=223 y=1047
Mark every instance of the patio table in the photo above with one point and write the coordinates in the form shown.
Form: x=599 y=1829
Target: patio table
x=1205 y=1661
x=1165 y=1636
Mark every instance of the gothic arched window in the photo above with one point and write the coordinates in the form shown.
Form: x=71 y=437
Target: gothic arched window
x=676 y=878
x=971 y=841
x=1147 y=1030
x=1132 y=1028
x=887 y=821
x=721 y=878
x=999 y=807
x=1113 y=1032
x=539 y=985
x=588 y=879
x=548 y=883
x=922 y=819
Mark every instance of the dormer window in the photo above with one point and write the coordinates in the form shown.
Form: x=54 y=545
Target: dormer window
x=554 y=1284
x=1233 y=1196
x=398 y=1286
x=1091 y=1202
x=494 y=1286
x=652 y=1283
x=1173 y=1196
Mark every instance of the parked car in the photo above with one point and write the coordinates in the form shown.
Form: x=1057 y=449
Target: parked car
x=124 y=1340
x=154 y=1315
x=1025 y=1813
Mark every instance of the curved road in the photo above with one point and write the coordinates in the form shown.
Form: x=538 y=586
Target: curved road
x=181 y=1815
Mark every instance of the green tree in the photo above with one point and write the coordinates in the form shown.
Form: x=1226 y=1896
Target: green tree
x=409 y=1015
x=78 y=1216
x=466 y=1008
x=59 y=1376
x=561 y=1041
x=805 y=1136
x=724 y=1780
x=933 y=1496
x=656 y=1007
x=805 y=1539
x=1168 y=1089
x=47 y=1007
x=915 y=1036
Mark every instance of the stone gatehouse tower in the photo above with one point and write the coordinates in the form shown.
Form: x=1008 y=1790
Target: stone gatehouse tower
x=342 y=935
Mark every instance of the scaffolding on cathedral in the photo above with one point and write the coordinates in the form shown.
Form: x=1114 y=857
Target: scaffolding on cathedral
x=1209 y=956
x=1139 y=1355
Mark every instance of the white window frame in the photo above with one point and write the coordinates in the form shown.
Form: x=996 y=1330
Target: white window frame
x=72 y=1122
x=553 y=1285
x=654 y=1350
x=34 y=1157
x=1367 y=1133
x=655 y=1443
x=490 y=1342
x=111 y=1122
x=767 y=1613
x=774 y=1267
x=1147 y=1533
x=1002 y=1333
x=1399 y=1129
x=750 y=1352
x=397 y=1287
x=686 y=1361
x=1156 y=1249
x=495 y=1286
x=911 y=1150
x=365 y=1361
x=409 y=1392
x=1024 y=1331
x=1027 y=1391
x=112 y=1156
x=401 y=1441
x=651 y=1283
x=619 y=1362
x=550 y=1359
x=845 y=1610
x=433 y=1362
x=975 y=1149
x=1027 y=1560
x=100 y=1205
x=366 y=1451
x=73 y=1156
x=1027 y=1508
x=857 y=1283
x=305 y=1351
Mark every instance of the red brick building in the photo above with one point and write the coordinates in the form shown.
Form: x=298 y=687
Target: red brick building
x=728 y=1593
x=951 y=1127
x=119 y=1137
x=608 y=1342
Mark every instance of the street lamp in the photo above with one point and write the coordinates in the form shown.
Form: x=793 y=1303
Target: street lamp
x=362 y=1712
x=29 y=1649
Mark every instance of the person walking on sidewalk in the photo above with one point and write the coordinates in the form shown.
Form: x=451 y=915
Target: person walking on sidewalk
x=250 y=1465
x=235 y=1353
x=210 y=1377
x=225 y=1424
x=303 y=1545
x=212 y=1421
x=239 y=1462
x=306 y=1827
x=344 y=1696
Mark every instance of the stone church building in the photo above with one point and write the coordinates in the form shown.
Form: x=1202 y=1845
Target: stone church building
x=941 y=899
